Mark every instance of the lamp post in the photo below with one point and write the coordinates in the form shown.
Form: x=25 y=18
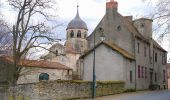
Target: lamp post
x=102 y=38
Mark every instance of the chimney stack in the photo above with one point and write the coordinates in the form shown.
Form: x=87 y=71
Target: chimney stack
x=112 y=5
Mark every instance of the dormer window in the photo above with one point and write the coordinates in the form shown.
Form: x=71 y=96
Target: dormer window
x=79 y=34
x=72 y=34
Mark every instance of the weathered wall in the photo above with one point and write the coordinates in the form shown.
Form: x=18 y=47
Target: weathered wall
x=59 y=90
x=30 y=75
x=110 y=65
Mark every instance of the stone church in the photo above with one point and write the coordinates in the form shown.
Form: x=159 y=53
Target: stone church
x=75 y=45
x=128 y=53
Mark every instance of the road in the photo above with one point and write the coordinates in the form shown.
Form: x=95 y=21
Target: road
x=143 y=95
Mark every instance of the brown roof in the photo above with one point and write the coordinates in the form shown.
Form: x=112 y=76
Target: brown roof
x=114 y=47
x=36 y=63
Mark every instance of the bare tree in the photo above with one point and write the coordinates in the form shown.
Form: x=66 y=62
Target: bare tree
x=31 y=29
x=161 y=16
x=5 y=39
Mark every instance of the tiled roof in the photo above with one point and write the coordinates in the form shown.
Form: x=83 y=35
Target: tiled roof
x=114 y=47
x=36 y=63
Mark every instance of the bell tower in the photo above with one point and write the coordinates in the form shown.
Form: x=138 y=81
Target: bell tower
x=76 y=34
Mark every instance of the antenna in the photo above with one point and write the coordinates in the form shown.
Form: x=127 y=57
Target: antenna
x=77 y=3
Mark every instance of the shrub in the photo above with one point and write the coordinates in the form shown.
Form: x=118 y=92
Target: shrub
x=153 y=86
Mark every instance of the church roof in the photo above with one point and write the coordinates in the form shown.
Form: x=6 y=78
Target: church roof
x=36 y=63
x=113 y=47
x=77 y=23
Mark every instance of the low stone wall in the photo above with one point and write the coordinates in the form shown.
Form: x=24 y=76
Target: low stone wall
x=59 y=90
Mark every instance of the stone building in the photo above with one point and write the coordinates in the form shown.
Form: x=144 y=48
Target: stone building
x=75 y=45
x=32 y=71
x=132 y=36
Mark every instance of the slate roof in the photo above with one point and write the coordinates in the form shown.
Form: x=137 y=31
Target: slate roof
x=36 y=63
x=77 y=23
x=133 y=30
x=113 y=47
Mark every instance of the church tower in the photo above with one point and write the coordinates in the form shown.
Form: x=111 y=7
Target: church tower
x=76 y=34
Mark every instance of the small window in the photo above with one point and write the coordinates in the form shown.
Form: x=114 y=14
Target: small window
x=131 y=79
x=145 y=51
x=164 y=76
x=163 y=59
x=155 y=57
x=155 y=77
x=142 y=72
x=145 y=72
x=56 y=52
x=72 y=34
x=43 y=76
x=85 y=35
x=138 y=71
x=138 y=47
x=142 y=25
x=119 y=28
x=79 y=34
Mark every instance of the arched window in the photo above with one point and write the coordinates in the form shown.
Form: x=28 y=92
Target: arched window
x=79 y=34
x=43 y=76
x=72 y=34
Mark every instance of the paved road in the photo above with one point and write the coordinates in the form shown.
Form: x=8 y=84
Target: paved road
x=143 y=95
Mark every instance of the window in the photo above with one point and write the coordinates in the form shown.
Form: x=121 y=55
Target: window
x=43 y=76
x=138 y=71
x=79 y=34
x=131 y=80
x=155 y=57
x=145 y=72
x=142 y=25
x=163 y=58
x=85 y=35
x=138 y=47
x=145 y=51
x=155 y=77
x=72 y=34
x=56 y=52
x=142 y=72
x=164 y=76
x=119 y=28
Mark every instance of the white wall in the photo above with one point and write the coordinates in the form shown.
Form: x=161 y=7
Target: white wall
x=30 y=75
x=110 y=66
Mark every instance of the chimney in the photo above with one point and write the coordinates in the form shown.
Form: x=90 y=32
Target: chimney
x=112 y=5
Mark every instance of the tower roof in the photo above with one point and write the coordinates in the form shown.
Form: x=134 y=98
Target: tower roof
x=77 y=22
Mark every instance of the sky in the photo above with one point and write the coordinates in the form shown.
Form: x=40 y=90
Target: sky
x=91 y=11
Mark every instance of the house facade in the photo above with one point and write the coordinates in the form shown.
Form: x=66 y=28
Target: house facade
x=134 y=36
x=33 y=71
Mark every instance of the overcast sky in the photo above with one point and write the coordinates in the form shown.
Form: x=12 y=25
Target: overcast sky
x=91 y=11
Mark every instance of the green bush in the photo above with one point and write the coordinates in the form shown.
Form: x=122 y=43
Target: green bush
x=153 y=86
x=130 y=90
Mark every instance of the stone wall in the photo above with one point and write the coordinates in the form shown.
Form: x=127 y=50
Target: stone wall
x=59 y=90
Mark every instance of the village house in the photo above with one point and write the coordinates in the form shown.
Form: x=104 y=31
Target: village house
x=128 y=53
x=33 y=71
